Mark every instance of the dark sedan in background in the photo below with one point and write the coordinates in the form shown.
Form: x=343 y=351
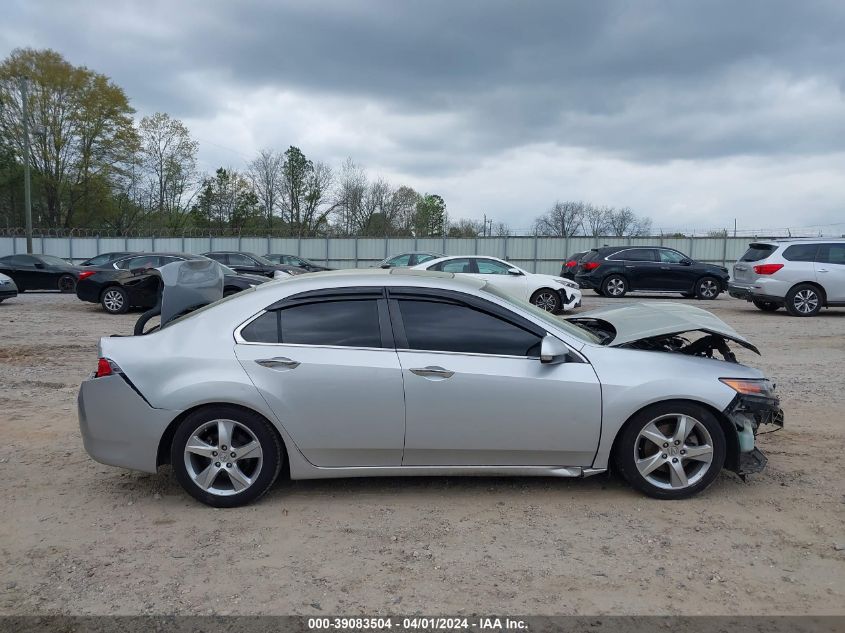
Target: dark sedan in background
x=251 y=264
x=130 y=284
x=8 y=289
x=40 y=272
x=613 y=271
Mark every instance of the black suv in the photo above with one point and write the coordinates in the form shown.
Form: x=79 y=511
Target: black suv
x=613 y=271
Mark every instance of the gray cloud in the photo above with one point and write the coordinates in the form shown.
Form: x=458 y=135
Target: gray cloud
x=430 y=89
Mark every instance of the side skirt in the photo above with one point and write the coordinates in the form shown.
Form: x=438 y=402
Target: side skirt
x=315 y=472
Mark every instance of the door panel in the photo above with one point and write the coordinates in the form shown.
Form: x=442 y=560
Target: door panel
x=499 y=411
x=341 y=406
x=830 y=271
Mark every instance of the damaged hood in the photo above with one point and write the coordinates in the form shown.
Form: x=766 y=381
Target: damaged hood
x=638 y=321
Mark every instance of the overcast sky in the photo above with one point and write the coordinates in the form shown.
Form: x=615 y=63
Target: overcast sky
x=693 y=113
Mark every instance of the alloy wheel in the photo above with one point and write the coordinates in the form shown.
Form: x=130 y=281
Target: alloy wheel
x=223 y=457
x=673 y=451
x=708 y=289
x=113 y=300
x=67 y=283
x=806 y=301
x=546 y=301
x=615 y=287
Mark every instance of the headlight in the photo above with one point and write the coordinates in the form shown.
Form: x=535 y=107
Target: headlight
x=751 y=386
x=567 y=283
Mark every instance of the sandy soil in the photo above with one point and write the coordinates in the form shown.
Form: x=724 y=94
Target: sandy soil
x=81 y=538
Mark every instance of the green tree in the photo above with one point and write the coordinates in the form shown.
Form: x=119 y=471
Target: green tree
x=226 y=200
x=81 y=129
x=430 y=216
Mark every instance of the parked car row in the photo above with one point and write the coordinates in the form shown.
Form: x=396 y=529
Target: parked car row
x=801 y=275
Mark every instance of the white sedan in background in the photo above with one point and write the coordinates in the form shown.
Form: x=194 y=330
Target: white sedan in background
x=552 y=294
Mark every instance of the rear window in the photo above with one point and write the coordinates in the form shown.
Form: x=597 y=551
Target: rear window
x=589 y=256
x=756 y=252
x=801 y=253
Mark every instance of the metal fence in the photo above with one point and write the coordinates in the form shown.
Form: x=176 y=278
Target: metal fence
x=535 y=254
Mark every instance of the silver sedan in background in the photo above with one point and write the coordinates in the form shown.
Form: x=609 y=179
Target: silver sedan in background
x=403 y=372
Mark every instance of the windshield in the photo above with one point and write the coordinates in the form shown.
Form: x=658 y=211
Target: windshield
x=262 y=260
x=570 y=328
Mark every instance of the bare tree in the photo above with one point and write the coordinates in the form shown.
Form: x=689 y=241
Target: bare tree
x=564 y=219
x=351 y=189
x=169 y=154
x=265 y=173
x=624 y=222
x=597 y=219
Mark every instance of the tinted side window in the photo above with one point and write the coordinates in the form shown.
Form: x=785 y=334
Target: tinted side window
x=448 y=327
x=99 y=260
x=832 y=254
x=756 y=252
x=454 y=266
x=264 y=329
x=801 y=252
x=671 y=257
x=348 y=323
x=491 y=267
x=236 y=259
x=424 y=257
x=218 y=257
x=634 y=255
x=146 y=261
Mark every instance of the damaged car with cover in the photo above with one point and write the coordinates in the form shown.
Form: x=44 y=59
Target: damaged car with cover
x=406 y=372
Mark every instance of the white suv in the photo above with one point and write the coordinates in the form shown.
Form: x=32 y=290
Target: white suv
x=804 y=275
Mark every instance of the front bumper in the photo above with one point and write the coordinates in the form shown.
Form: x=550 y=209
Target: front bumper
x=587 y=281
x=118 y=426
x=748 y=413
x=570 y=298
x=7 y=292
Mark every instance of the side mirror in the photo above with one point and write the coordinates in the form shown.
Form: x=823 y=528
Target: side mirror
x=686 y=262
x=39 y=265
x=553 y=351
x=386 y=266
x=514 y=271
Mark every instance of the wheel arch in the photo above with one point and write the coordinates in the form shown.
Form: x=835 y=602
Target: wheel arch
x=163 y=451
x=109 y=285
x=728 y=428
x=814 y=284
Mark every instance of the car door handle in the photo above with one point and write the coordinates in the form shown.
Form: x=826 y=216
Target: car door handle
x=822 y=270
x=278 y=363
x=665 y=268
x=628 y=266
x=433 y=372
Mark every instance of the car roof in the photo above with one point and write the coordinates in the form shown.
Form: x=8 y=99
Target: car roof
x=379 y=276
x=230 y=253
x=799 y=240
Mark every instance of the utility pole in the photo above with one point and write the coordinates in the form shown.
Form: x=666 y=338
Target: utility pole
x=27 y=195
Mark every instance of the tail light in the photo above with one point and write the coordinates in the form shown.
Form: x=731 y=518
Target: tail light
x=591 y=265
x=85 y=274
x=106 y=367
x=571 y=263
x=767 y=269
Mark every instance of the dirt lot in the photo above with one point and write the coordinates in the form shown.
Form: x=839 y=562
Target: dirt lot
x=81 y=538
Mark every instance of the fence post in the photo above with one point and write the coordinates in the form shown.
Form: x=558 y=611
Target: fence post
x=239 y=242
x=535 y=253
x=327 y=250
x=98 y=244
x=356 y=251
x=269 y=247
x=183 y=242
x=210 y=242
x=299 y=246
x=42 y=243
x=153 y=242
x=443 y=250
x=507 y=242
x=691 y=242
x=725 y=248
x=70 y=248
x=566 y=245
x=476 y=245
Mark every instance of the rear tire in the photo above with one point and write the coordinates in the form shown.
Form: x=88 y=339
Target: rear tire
x=67 y=284
x=614 y=286
x=115 y=300
x=546 y=299
x=804 y=300
x=707 y=288
x=202 y=449
x=650 y=460
x=765 y=306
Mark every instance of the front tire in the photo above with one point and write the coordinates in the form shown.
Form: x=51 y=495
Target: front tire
x=115 y=300
x=546 y=299
x=67 y=284
x=225 y=456
x=765 y=306
x=614 y=286
x=671 y=450
x=707 y=288
x=804 y=300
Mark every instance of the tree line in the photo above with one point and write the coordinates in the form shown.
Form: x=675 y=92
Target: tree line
x=95 y=166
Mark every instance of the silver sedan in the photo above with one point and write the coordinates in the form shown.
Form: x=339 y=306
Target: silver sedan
x=384 y=373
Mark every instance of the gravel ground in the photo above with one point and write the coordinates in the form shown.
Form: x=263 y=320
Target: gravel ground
x=82 y=538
